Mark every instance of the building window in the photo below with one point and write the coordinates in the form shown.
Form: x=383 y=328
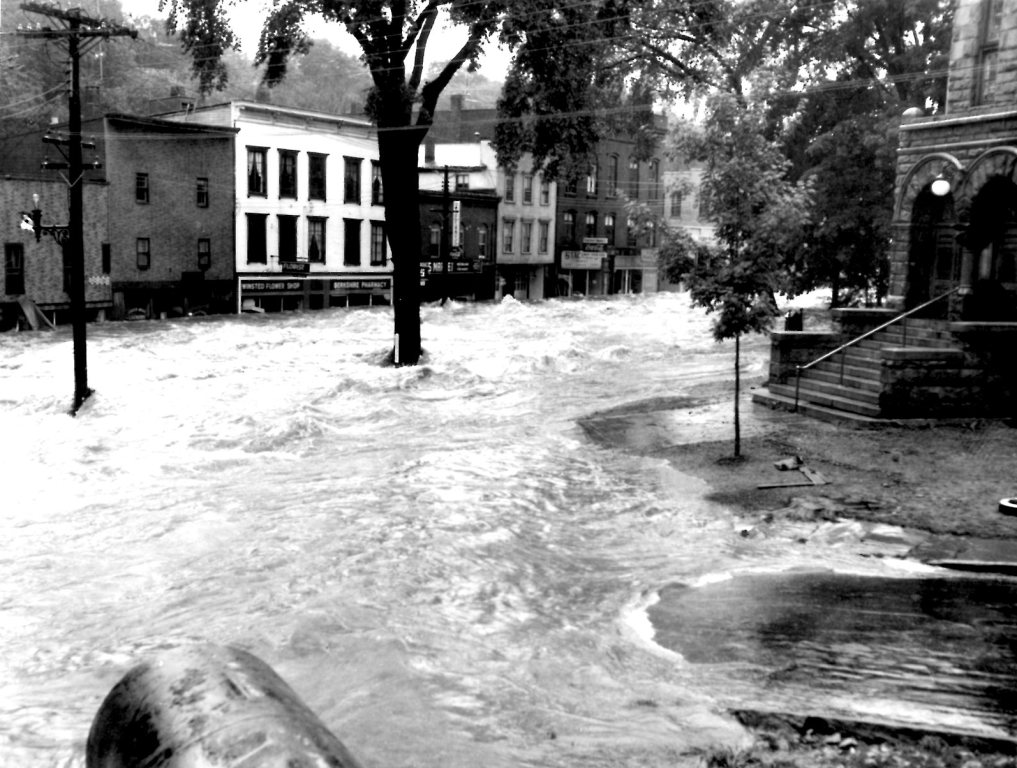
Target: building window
x=14 y=269
x=316 y=176
x=482 y=233
x=351 y=176
x=609 y=227
x=543 y=234
x=107 y=259
x=287 y=238
x=591 y=180
x=287 y=173
x=508 y=234
x=654 y=179
x=256 y=244
x=510 y=187
x=316 y=239
x=526 y=237
x=988 y=51
x=612 y=176
x=434 y=240
x=204 y=254
x=570 y=187
x=256 y=172
x=676 y=205
x=545 y=191
x=379 y=247
x=591 y=224
x=462 y=181
x=351 y=244
x=569 y=228
x=201 y=192
x=630 y=232
x=377 y=190
x=633 y=178
x=141 y=188
x=528 y=188
x=651 y=234
x=143 y=252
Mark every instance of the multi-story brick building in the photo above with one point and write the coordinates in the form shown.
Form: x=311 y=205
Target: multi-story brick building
x=309 y=216
x=603 y=247
x=171 y=206
x=458 y=224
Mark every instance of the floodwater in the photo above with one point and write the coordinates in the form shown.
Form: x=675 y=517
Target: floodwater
x=435 y=558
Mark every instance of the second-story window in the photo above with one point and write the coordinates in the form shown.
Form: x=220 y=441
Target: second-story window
x=462 y=181
x=377 y=190
x=654 y=179
x=528 y=188
x=609 y=228
x=204 y=254
x=256 y=186
x=287 y=173
x=545 y=191
x=591 y=180
x=434 y=240
x=591 y=224
x=526 y=237
x=201 y=192
x=612 y=176
x=351 y=242
x=482 y=241
x=141 y=187
x=351 y=178
x=676 y=204
x=510 y=187
x=316 y=165
x=287 y=238
x=379 y=248
x=543 y=234
x=569 y=225
x=143 y=253
x=316 y=239
x=508 y=234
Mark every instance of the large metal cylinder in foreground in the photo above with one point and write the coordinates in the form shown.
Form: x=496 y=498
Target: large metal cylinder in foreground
x=209 y=706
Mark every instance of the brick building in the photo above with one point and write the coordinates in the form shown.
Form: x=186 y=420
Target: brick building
x=171 y=204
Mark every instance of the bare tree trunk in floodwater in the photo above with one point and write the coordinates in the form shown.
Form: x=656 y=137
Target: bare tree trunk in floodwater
x=737 y=396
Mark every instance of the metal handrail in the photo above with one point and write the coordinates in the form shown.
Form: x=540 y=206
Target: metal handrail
x=843 y=347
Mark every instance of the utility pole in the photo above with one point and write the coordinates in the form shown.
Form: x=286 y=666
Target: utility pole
x=445 y=240
x=79 y=32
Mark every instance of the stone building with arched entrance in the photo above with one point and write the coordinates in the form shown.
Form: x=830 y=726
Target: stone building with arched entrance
x=946 y=343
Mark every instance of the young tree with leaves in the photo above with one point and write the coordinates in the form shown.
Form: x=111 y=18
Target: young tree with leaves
x=552 y=42
x=760 y=220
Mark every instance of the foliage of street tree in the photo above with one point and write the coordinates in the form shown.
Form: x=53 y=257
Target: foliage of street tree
x=835 y=78
x=760 y=219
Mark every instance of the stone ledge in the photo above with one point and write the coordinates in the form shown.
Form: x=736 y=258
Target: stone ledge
x=922 y=354
x=986 y=326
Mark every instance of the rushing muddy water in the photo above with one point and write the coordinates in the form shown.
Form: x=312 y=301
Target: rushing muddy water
x=436 y=558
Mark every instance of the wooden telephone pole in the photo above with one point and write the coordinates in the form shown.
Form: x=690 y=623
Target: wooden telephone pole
x=78 y=32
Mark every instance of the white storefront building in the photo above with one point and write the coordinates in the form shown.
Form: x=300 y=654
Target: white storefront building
x=310 y=220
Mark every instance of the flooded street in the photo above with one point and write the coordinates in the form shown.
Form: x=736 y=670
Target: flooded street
x=437 y=559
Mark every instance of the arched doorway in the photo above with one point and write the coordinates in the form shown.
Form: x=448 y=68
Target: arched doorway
x=991 y=239
x=934 y=255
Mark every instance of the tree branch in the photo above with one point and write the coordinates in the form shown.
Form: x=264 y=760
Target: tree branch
x=432 y=90
x=420 y=32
